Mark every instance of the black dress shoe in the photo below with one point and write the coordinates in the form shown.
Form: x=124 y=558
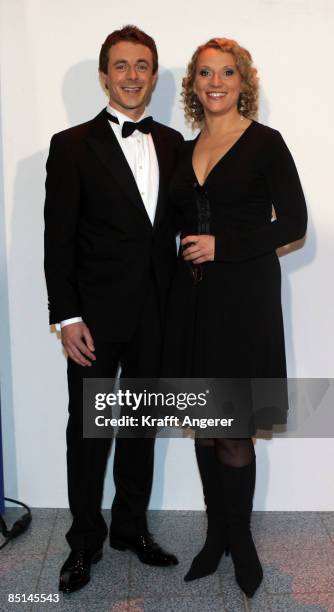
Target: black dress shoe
x=75 y=572
x=146 y=549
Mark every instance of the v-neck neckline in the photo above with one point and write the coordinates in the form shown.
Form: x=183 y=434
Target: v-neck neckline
x=220 y=158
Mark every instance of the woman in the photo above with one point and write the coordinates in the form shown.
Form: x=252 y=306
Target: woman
x=225 y=317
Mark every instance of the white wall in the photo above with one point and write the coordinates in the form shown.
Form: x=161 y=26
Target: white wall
x=49 y=81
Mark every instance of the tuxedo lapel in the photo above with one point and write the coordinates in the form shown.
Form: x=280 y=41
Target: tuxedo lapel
x=104 y=143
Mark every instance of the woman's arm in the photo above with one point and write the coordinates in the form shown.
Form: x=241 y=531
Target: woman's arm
x=288 y=200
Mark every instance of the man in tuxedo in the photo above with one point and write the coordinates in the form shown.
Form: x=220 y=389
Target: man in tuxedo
x=109 y=258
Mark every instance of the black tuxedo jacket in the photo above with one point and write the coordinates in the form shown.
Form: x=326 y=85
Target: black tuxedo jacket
x=100 y=246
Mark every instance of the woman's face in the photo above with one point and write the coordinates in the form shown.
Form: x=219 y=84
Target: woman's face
x=217 y=82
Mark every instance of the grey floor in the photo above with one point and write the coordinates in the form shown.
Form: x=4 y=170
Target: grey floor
x=296 y=550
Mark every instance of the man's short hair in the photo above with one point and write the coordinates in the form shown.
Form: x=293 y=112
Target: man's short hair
x=128 y=33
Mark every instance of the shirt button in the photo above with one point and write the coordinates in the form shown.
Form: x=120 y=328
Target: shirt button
x=140 y=167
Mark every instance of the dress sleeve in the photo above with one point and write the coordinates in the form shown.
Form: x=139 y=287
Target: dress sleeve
x=286 y=195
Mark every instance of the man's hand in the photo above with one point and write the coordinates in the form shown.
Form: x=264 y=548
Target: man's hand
x=201 y=248
x=78 y=343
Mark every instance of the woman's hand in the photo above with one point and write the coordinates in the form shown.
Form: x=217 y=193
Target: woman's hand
x=200 y=248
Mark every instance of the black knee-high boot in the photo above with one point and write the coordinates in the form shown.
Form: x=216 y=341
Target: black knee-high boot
x=239 y=484
x=207 y=560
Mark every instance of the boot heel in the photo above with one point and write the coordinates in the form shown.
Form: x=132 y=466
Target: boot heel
x=117 y=545
x=97 y=557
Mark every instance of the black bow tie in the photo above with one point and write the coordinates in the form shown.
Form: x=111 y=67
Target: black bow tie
x=145 y=125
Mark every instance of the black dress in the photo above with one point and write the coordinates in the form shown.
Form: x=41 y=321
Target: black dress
x=225 y=320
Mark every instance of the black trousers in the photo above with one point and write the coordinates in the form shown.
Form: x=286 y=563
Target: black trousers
x=87 y=457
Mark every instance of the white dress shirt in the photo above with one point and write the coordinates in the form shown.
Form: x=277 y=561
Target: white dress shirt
x=141 y=156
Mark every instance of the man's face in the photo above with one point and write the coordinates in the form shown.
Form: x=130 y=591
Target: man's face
x=130 y=78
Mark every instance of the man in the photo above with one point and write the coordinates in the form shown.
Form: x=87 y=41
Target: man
x=109 y=257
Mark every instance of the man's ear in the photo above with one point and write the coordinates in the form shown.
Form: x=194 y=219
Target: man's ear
x=103 y=80
x=155 y=78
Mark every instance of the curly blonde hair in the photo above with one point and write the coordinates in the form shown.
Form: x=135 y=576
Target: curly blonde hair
x=248 y=99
